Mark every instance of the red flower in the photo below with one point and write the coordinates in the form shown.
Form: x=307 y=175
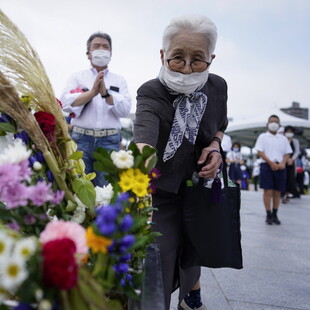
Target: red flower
x=47 y=124
x=59 y=266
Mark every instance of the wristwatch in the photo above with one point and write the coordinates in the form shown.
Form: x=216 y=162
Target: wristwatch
x=106 y=95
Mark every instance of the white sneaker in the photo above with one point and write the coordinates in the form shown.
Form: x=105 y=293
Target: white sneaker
x=183 y=306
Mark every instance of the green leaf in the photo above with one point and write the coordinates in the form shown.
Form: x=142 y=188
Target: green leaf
x=76 y=300
x=90 y=176
x=76 y=155
x=85 y=190
x=7 y=127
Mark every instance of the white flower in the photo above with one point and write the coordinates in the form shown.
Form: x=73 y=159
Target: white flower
x=37 y=166
x=45 y=305
x=25 y=247
x=15 y=153
x=13 y=273
x=122 y=159
x=6 y=245
x=103 y=195
x=79 y=213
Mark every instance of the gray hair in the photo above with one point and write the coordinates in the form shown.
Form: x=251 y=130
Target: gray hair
x=194 y=24
x=98 y=35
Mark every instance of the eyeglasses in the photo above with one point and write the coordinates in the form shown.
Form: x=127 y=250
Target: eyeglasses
x=177 y=63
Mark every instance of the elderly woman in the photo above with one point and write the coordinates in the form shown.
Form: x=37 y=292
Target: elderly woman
x=183 y=115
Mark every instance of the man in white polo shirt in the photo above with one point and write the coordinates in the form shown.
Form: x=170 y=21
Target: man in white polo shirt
x=274 y=151
x=96 y=99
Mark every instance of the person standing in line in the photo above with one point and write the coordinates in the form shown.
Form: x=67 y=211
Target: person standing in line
x=183 y=115
x=291 y=187
x=255 y=173
x=96 y=99
x=274 y=150
x=234 y=160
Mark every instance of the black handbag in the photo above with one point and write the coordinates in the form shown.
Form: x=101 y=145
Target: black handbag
x=212 y=236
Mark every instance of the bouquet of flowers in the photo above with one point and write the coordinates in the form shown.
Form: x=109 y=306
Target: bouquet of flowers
x=64 y=244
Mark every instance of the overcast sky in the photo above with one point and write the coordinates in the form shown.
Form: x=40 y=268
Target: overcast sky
x=263 y=49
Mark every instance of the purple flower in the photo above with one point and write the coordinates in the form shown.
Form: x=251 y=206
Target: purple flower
x=126 y=223
x=14 y=225
x=15 y=196
x=58 y=197
x=29 y=219
x=23 y=136
x=24 y=170
x=40 y=193
x=43 y=217
x=121 y=268
x=9 y=175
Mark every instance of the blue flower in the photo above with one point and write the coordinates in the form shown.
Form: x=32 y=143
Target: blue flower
x=126 y=279
x=23 y=136
x=49 y=176
x=126 y=223
x=40 y=157
x=32 y=159
x=121 y=268
x=125 y=258
x=106 y=229
x=23 y=306
x=107 y=213
x=126 y=242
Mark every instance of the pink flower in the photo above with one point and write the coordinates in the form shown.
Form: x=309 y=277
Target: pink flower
x=40 y=193
x=60 y=229
x=15 y=195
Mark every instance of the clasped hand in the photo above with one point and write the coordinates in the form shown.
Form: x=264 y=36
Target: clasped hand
x=214 y=160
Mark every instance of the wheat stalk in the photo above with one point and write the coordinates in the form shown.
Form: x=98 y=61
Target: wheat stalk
x=22 y=66
x=11 y=104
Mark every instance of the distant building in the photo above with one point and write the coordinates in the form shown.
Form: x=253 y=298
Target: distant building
x=297 y=111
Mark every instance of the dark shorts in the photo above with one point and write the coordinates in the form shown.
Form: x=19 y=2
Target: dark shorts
x=270 y=179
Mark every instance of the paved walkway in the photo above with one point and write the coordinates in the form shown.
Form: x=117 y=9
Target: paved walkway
x=276 y=272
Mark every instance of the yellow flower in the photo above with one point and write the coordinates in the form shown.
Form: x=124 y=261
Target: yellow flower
x=97 y=243
x=139 y=189
x=125 y=182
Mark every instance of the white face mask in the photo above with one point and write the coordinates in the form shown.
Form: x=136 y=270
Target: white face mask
x=273 y=126
x=289 y=135
x=183 y=83
x=100 y=58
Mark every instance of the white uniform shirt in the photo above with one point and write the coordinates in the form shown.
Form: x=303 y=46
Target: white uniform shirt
x=232 y=155
x=97 y=114
x=273 y=146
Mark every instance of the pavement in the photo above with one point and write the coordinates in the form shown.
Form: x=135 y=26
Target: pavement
x=276 y=272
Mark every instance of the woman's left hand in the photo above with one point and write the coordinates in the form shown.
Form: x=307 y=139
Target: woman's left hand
x=209 y=170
